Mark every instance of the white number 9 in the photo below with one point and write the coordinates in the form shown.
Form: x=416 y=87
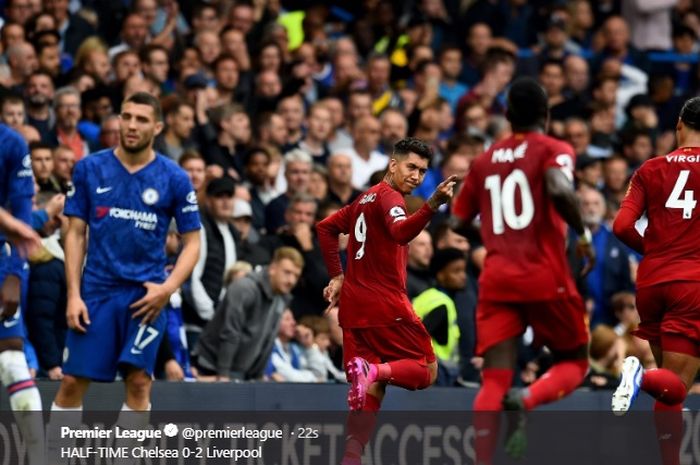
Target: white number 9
x=360 y=235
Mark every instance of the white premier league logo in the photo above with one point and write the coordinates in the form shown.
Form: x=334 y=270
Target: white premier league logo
x=192 y=198
x=150 y=196
x=27 y=161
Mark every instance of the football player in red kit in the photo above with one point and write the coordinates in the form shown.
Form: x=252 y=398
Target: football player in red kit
x=384 y=342
x=668 y=280
x=523 y=189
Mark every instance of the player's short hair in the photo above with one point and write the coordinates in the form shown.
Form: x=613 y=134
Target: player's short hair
x=144 y=98
x=412 y=145
x=38 y=145
x=690 y=113
x=527 y=104
x=288 y=253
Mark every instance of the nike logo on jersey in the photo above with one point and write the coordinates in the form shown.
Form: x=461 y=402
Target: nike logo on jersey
x=102 y=190
x=135 y=351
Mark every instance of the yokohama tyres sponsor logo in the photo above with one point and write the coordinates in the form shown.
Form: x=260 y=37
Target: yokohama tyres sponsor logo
x=142 y=219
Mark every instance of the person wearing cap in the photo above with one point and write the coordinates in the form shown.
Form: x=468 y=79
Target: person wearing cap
x=248 y=246
x=437 y=310
x=217 y=254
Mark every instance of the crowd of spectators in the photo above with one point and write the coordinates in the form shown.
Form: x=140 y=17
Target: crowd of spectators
x=282 y=112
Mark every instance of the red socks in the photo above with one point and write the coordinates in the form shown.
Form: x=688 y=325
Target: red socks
x=664 y=386
x=360 y=426
x=669 y=431
x=487 y=412
x=407 y=373
x=560 y=380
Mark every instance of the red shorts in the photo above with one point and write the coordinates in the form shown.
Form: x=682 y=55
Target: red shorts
x=381 y=344
x=671 y=308
x=559 y=324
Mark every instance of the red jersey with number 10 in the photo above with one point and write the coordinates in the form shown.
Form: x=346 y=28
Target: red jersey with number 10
x=374 y=289
x=667 y=189
x=523 y=234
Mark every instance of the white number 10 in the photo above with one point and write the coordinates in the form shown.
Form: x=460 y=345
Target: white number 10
x=503 y=201
x=688 y=202
x=360 y=235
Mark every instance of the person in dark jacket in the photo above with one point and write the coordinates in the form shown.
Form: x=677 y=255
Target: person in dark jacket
x=218 y=253
x=238 y=341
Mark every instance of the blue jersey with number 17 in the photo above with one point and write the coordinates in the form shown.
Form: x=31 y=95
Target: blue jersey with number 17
x=128 y=215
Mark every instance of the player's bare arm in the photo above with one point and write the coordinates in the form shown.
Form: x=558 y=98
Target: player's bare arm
x=74 y=246
x=19 y=234
x=563 y=197
x=157 y=295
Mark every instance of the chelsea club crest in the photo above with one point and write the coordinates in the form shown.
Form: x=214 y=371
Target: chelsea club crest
x=150 y=196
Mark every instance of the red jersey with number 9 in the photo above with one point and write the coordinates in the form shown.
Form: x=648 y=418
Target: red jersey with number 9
x=374 y=288
x=667 y=189
x=523 y=234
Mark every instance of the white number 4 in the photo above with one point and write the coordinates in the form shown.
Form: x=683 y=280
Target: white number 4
x=688 y=202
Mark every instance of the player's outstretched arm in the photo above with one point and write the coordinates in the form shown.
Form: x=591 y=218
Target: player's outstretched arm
x=74 y=248
x=561 y=191
x=157 y=295
x=19 y=234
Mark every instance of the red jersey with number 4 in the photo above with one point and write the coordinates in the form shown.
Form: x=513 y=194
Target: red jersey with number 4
x=523 y=234
x=374 y=289
x=667 y=189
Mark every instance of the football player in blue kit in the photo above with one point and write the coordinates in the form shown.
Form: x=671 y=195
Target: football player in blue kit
x=127 y=197
x=16 y=192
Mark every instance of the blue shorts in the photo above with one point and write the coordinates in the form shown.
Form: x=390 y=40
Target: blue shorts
x=13 y=327
x=114 y=340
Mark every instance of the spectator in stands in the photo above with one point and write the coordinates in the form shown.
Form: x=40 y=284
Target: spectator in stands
x=451 y=89
x=578 y=134
x=575 y=93
x=298 y=232
x=611 y=272
x=49 y=57
x=22 y=61
x=419 y=276
x=249 y=245
x=258 y=184
x=394 y=127
x=217 y=254
x=227 y=78
x=63 y=162
x=225 y=142
x=291 y=109
x=193 y=163
x=12 y=112
x=238 y=341
x=126 y=64
x=589 y=171
x=73 y=28
x=378 y=74
x=271 y=132
x=155 y=65
x=42 y=166
x=318 y=130
x=499 y=67
x=67 y=109
x=109 y=132
x=366 y=159
x=318 y=183
x=297 y=173
x=650 y=23
x=557 y=44
x=339 y=138
x=637 y=147
x=92 y=59
x=17 y=11
x=616 y=36
x=295 y=357
x=436 y=307
x=552 y=79
x=340 y=189
x=606 y=353
x=479 y=41
x=134 y=34
x=616 y=175
x=624 y=307
x=179 y=121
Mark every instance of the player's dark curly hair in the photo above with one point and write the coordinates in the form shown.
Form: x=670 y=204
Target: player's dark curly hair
x=144 y=98
x=690 y=113
x=528 y=107
x=413 y=145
